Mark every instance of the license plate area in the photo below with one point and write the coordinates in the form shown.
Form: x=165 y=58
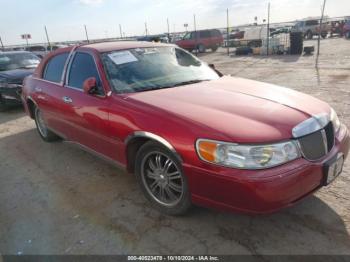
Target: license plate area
x=333 y=168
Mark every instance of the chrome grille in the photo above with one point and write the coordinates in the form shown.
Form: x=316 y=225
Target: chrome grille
x=316 y=145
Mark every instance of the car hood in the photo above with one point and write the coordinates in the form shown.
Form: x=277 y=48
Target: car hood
x=240 y=110
x=17 y=75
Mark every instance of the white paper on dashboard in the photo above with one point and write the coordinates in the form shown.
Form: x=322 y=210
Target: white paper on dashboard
x=122 y=57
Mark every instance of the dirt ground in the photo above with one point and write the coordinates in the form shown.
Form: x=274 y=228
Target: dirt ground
x=57 y=199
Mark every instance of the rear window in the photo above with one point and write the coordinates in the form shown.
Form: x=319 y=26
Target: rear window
x=36 y=48
x=204 y=34
x=54 y=68
x=215 y=33
x=311 y=22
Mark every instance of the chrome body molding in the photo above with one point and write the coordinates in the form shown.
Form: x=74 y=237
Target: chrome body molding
x=311 y=125
x=99 y=155
x=154 y=137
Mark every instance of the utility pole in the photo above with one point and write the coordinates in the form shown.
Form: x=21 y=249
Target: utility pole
x=195 y=32
x=47 y=37
x=146 y=29
x=319 y=33
x=167 y=21
x=120 y=30
x=268 y=30
x=2 y=44
x=228 y=34
x=86 y=33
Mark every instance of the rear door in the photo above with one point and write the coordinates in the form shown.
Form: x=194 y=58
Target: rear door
x=48 y=92
x=205 y=38
x=87 y=114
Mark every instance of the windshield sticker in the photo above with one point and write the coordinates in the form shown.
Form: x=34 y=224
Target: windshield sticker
x=122 y=57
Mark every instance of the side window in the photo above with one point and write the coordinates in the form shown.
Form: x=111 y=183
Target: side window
x=82 y=67
x=204 y=34
x=54 y=68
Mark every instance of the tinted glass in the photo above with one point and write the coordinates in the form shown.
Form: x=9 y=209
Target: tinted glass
x=11 y=61
x=311 y=22
x=215 y=33
x=83 y=67
x=204 y=34
x=54 y=68
x=143 y=69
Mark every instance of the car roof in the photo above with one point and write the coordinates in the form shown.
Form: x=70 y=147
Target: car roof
x=122 y=45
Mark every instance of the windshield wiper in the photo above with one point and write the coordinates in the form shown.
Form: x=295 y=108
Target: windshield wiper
x=174 y=85
x=187 y=83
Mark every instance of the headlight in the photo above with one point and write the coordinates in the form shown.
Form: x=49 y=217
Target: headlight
x=335 y=120
x=246 y=156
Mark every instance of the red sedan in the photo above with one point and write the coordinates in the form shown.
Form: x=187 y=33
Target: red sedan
x=189 y=134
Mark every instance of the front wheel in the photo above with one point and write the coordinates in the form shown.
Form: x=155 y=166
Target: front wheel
x=162 y=180
x=41 y=126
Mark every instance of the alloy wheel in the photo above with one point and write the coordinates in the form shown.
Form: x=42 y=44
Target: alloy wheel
x=162 y=178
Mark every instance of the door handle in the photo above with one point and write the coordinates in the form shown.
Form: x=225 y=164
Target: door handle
x=67 y=99
x=38 y=89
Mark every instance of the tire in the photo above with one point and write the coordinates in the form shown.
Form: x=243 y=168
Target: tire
x=214 y=48
x=324 y=35
x=201 y=48
x=44 y=132
x=2 y=105
x=161 y=178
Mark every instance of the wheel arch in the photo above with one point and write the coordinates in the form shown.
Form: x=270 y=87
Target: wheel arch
x=31 y=106
x=134 y=142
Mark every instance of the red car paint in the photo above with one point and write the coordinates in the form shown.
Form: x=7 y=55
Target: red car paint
x=229 y=109
x=206 y=38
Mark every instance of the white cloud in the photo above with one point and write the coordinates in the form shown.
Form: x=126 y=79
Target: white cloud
x=91 y=2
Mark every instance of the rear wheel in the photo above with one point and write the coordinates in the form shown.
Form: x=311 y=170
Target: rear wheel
x=214 y=48
x=162 y=180
x=201 y=48
x=324 y=35
x=42 y=128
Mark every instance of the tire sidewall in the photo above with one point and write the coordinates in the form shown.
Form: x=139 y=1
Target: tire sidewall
x=185 y=202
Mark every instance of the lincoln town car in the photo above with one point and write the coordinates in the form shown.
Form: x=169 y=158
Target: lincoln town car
x=190 y=135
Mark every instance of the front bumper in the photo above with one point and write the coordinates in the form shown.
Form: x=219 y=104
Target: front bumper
x=11 y=96
x=260 y=191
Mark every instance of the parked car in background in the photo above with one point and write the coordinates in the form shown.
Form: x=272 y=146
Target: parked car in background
x=38 y=50
x=236 y=34
x=346 y=29
x=311 y=27
x=201 y=40
x=14 y=67
x=189 y=135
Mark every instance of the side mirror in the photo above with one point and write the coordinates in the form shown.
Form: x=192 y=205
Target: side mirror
x=212 y=66
x=90 y=85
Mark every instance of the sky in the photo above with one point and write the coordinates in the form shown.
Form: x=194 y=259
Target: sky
x=65 y=19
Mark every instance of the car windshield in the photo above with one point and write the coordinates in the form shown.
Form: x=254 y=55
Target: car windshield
x=11 y=61
x=145 y=69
